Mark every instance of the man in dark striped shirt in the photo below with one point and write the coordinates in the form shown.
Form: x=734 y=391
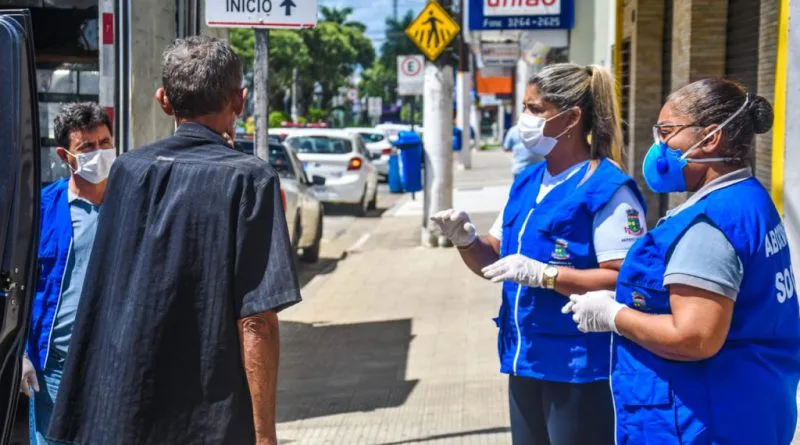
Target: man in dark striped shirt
x=176 y=340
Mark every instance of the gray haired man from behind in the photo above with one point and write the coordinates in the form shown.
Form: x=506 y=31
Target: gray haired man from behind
x=177 y=338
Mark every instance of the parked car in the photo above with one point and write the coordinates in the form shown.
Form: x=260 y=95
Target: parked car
x=377 y=142
x=343 y=159
x=392 y=130
x=303 y=210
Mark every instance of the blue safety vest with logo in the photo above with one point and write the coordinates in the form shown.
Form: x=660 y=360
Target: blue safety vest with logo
x=745 y=394
x=536 y=340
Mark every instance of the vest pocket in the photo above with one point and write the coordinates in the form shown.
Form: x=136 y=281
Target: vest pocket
x=645 y=409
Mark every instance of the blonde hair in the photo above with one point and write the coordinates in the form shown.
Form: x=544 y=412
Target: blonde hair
x=593 y=89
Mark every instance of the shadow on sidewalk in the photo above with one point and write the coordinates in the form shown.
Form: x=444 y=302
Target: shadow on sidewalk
x=335 y=369
x=324 y=266
x=345 y=210
x=501 y=430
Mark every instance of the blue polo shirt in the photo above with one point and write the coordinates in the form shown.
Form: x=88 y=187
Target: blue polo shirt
x=84 y=227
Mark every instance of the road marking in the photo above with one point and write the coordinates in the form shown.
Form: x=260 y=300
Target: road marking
x=360 y=243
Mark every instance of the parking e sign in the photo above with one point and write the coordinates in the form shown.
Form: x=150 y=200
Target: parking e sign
x=520 y=14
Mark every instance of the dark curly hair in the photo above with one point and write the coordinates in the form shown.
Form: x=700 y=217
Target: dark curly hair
x=79 y=116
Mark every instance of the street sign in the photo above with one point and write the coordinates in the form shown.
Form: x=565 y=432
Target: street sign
x=410 y=75
x=499 y=54
x=374 y=107
x=264 y=14
x=433 y=30
x=521 y=14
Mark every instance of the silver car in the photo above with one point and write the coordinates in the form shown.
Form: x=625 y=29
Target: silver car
x=303 y=210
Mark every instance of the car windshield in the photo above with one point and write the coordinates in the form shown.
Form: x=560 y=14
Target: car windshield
x=370 y=138
x=278 y=158
x=320 y=145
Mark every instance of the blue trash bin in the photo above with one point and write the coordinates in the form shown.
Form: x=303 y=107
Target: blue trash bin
x=410 y=146
x=458 y=140
x=395 y=183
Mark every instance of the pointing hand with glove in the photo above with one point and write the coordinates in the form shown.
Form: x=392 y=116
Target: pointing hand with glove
x=594 y=311
x=455 y=226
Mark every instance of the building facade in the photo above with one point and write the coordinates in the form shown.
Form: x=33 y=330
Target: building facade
x=665 y=44
x=107 y=51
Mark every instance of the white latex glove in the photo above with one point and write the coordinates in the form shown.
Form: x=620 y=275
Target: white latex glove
x=517 y=268
x=29 y=380
x=594 y=311
x=456 y=226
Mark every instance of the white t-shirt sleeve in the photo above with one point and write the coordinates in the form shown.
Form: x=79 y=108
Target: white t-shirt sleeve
x=618 y=225
x=496 y=230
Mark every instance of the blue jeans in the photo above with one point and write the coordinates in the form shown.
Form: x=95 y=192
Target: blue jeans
x=42 y=402
x=553 y=413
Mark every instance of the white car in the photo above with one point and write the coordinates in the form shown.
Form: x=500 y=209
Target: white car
x=303 y=210
x=344 y=161
x=393 y=130
x=378 y=144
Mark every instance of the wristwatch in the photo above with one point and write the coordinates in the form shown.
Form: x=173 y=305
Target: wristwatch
x=549 y=277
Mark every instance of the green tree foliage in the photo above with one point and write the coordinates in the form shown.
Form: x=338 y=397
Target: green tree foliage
x=326 y=55
x=381 y=78
x=276 y=118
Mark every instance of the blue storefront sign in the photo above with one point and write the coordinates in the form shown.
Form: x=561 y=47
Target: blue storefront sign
x=521 y=14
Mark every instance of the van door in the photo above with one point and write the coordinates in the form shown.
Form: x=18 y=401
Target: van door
x=19 y=201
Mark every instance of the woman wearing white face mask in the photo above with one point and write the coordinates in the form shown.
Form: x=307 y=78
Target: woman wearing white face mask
x=705 y=314
x=567 y=225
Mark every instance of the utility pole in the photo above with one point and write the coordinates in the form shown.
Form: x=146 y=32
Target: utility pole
x=295 y=112
x=438 y=127
x=463 y=87
x=261 y=81
x=395 y=10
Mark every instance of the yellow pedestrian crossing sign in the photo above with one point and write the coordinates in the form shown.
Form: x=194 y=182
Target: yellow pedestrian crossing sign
x=432 y=30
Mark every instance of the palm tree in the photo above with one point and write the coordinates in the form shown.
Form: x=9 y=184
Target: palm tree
x=397 y=43
x=340 y=16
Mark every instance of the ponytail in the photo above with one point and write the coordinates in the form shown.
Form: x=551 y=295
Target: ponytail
x=606 y=129
x=593 y=89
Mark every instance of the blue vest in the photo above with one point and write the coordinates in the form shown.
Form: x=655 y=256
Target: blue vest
x=54 y=244
x=536 y=340
x=745 y=394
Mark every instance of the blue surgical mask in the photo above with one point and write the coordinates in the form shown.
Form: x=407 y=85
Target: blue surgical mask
x=663 y=166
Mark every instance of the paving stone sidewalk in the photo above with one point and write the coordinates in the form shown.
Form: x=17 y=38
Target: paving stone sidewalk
x=395 y=344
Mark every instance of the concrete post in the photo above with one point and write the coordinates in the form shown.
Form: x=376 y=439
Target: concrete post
x=295 y=112
x=438 y=124
x=475 y=122
x=261 y=84
x=464 y=102
x=501 y=122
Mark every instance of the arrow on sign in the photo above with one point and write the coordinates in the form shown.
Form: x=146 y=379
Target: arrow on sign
x=288 y=4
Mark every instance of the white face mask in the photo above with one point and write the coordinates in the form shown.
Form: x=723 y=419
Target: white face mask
x=531 y=131
x=95 y=165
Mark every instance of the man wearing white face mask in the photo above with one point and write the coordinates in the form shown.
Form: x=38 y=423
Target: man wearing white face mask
x=69 y=210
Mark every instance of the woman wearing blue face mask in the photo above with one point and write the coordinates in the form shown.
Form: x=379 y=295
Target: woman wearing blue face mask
x=566 y=227
x=707 y=344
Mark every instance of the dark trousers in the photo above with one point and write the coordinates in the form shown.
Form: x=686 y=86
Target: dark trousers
x=552 y=413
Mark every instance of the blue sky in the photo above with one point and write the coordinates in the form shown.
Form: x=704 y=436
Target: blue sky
x=373 y=13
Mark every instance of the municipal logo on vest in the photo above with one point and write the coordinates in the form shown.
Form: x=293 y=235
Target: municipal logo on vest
x=560 y=250
x=639 y=302
x=634 y=227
